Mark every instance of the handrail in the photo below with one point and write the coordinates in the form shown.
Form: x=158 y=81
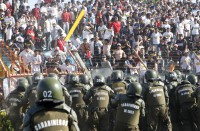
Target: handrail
x=4 y=68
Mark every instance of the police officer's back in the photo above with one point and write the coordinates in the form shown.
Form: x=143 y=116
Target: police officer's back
x=77 y=91
x=50 y=113
x=130 y=108
x=68 y=99
x=156 y=100
x=85 y=80
x=30 y=95
x=185 y=103
x=98 y=98
x=14 y=103
x=172 y=83
x=118 y=85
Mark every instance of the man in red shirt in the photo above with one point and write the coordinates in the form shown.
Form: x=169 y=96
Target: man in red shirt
x=116 y=25
x=66 y=18
x=60 y=41
x=36 y=12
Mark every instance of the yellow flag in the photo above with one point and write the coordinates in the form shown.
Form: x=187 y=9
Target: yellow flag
x=80 y=16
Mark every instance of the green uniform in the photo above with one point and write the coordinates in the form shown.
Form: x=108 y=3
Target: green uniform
x=29 y=97
x=172 y=105
x=77 y=92
x=15 y=108
x=156 y=100
x=58 y=118
x=129 y=110
x=119 y=87
x=196 y=94
x=98 y=98
x=185 y=104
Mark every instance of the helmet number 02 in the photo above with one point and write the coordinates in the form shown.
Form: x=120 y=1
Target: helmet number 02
x=47 y=94
x=98 y=80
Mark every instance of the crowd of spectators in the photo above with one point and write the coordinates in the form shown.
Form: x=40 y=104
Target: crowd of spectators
x=122 y=34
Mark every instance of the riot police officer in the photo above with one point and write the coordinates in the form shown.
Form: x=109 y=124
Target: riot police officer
x=85 y=80
x=118 y=85
x=193 y=79
x=98 y=98
x=50 y=113
x=156 y=100
x=185 y=104
x=130 y=108
x=30 y=95
x=130 y=79
x=172 y=83
x=77 y=91
x=180 y=75
x=68 y=99
x=29 y=79
x=14 y=103
x=196 y=95
x=67 y=80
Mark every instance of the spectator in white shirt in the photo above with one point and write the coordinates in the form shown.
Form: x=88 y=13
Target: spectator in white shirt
x=195 y=29
x=168 y=34
x=156 y=36
x=26 y=55
x=67 y=67
x=36 y=61
x=186 y=63
x=3 y=6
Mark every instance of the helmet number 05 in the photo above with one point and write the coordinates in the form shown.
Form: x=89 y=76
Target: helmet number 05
x=47 y=94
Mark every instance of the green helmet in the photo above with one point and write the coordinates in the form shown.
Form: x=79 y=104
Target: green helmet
x=134 y=89
x=37 y=77
x=29 y=79
x=73 y=78
x=171 y=76
x=117 y=75
x=55 y=76
x=84 y=79
x=67 y=78
x=179 y=74
x=99 y=80
x=22 y=84
x=192 y=79
x=151 y=75
x=50 y=90
x=130 y=79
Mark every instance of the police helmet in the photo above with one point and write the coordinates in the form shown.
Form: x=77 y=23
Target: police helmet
x=192 y=79
x=179 y=74
x=171 y=76
x=117 y=75
x=22 y=84
x=84 y=79
x=130 y=79
x=134 y=89
x=151 y=75
x=50 y=90
x=67 y=78
x=37 y=77
x=73 y=78
x=99 y=80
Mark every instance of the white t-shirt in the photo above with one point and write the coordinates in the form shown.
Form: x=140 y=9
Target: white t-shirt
x=102 y=29
x=98 y=43
x=69 y=68
x=156 y=38
x=26 y=56
x=3 y=7
x=195 y=29
x=35 y=67
x=10 y=20
x=180 y=28
x=185 y=62
x=197 y=64
x=168 y=35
